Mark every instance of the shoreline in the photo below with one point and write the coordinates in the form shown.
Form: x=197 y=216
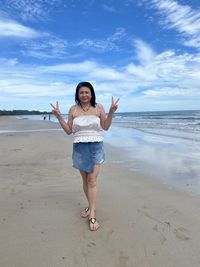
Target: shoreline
x=179 y=160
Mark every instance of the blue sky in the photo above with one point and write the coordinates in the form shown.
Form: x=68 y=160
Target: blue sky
x=147 y=52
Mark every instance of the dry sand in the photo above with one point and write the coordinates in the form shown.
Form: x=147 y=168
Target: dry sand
x=143 y=222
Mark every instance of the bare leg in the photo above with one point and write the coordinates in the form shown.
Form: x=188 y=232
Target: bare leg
x=92 y=194
x=85 y=213
x=85 y=184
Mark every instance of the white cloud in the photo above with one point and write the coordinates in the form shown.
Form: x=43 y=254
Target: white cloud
x=9 y=61
x=49 y=47
x=80 y=67
x=18 y=87
x=97 y=45
x=145 y=53
x=109 y=8
x=108 y=44
x=106 y=73
x=30 y=10
x=172 y=92
x=158 y=76
x=89 y=69
x=182 y=18
x=195 y=42
x=10 y=28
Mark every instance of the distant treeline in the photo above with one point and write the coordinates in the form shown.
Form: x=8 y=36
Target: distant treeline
x=22 y=112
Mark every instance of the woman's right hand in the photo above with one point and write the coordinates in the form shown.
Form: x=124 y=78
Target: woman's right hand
x=56 y=110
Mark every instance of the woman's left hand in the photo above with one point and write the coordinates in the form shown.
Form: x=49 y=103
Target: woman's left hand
x=114 y=105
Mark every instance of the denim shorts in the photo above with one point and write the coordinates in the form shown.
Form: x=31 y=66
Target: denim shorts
x=86 y=155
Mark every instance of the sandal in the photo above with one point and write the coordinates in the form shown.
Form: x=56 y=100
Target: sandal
x=92 y=221
x=85 y=213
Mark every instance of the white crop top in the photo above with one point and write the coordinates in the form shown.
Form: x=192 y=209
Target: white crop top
x=87 y=128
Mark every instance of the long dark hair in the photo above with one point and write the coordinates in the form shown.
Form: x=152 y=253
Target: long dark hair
x=88 y=85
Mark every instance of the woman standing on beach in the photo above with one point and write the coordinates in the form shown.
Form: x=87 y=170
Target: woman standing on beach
x=87 y=120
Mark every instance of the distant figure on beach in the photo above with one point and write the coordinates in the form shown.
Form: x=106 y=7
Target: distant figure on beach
x=86 y=120
x=44 y=118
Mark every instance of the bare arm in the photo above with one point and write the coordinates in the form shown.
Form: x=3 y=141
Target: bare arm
x=107 y=120
x=67 y=126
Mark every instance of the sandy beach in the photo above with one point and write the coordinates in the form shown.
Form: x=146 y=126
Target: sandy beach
x=144 y=223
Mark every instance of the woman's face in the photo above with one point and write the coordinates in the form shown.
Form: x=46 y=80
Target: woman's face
x=84 y=95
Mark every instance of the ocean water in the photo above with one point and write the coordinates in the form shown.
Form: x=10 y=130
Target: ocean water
x=163 y=144
x=183 y=124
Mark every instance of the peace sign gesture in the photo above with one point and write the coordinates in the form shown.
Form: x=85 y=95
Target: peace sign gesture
x=114 y=105
x=56 y=110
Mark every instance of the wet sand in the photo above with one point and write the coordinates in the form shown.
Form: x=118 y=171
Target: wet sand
x=144 y=223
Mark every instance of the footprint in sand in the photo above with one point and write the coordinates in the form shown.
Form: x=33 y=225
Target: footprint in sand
x=91 y=244
x=182 y=233
x=155 y=228
x=162 y=238
x=123 y=260
x=155 y=253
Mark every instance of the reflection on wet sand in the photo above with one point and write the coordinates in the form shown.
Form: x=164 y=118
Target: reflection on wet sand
x=174 y=160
